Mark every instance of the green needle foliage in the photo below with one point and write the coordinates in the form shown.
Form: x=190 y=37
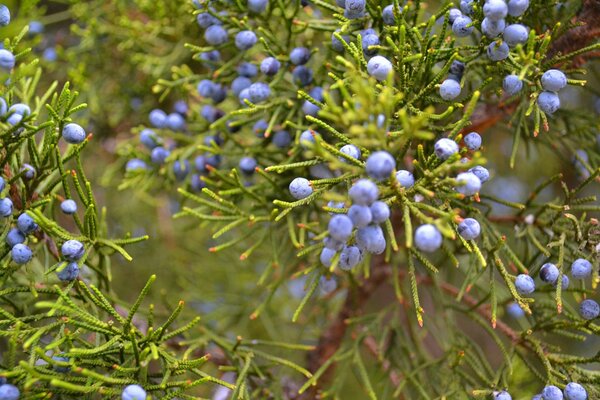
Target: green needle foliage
x=405 y=321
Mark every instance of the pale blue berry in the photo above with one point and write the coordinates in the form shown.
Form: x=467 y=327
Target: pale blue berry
x=337 y=44
x=73 y=133
x=581 y=268
x=492 y=28
x=7 y=59
x=495 y=9
x=364 y=192
x=300 y=188
x=9 y=392
x=360 y=215
x=524 y=284
x=514 y=310
x=282 y=139
x=159 y=155
x=4 y=15
x=26 y=224
x=515 y=34
x=453 y=14
x=371 y=239
x=516 y=8
x=20 y=108
x=69 y=272
x=380 y=165
x=299 y=55
x=469 y=229
x=68 y=206
x=247 y=69
x=149 y=138
x=133 y=392
x=405 y=178
x=367 y=42
x=257 y=6
x=158 y=118
x=354 y=9
x=503 y=395
x=270 y=66
x=247 y=165
x=512 y=84
x=549 y=273
x=27 y=171
x=72 y=250
x=553 y=80
x=379 y=67
x=196 y=183
x=206 y=20
x=334 y=244
x=589 y=309
x=388 y=15
x=340 y=227
x=462 y=26
x=181 y=169
x=551 y=392
x=14 y=237
x=467 y=183
x=326 y=256
x=380 y=212
x=6 y=207
x=428 y=238
x=497 y=52
x=135 y=164
x=481 y=172
x=473 y=141
x=21 y=254
x=444 y=148
x=216 y=35
x=244 y=40
x=175 y=122
x=350 y=150
x=307 y=138
x=574 y=391
x=565 y=282
x=259 y=92
x=350 y=257
x=466 y=6
x=449 y=89
x=302 y=76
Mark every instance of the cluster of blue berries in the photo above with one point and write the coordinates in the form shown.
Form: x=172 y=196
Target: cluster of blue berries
x=572 y=391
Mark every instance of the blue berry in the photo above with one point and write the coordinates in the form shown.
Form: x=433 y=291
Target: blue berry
x=444 y=148
x=247 y=69
x=341 y=3
x=367 y=42
x=565 y=282
x=72 y=250
x=503 y=395
x=468 y=183
x=300 y=56
x=462 y=26
x=9 y=392
x=334 y=244
x=537 y=397
x=307 y=139
x=247 y=165
x=449 y=89
x=553 y=80
x=206 y=20
x=549 y=273
x=73 y=133
x=326 y=256
x=14 y=119
x=181 y=169
x=466 y=6
x=581 y=268
x=3 y=107
x=149 y=138
x=428 y=238
x=340 y=227
x=515 y=34
x=175 y=122
x=135 y=164
x=456 y=71
x=309 y=108
x=205 y=88
x=551 y=392
x=512 y=84
x=244 y=40
x=473 y=141
x=14 y=237
x=302 y=76
x=371 y=239
x=388 y=15
x=20 y=108
x=481 y=172
x=259 y=92
x=380 y=212
x=27 y=171
x=159 y=155
x=364 y=192
x=4 y=15
x=360 y=215
x=354 y=9
x=60 y=368
x=2 y=184
x=589 y=309
x=270 y=66
x=133 y=392
x=327 y=285
x=69 y=272
x=21 y=254
x=26 y=224
x=497 y=52
x=216 y=35
x=68 y=206
x=379 y=67
x=350 y=257
x=181 y=107
x=210 y=113
x=516 y=8
x=495 y=9
x=6 y=207
x=548 y=102
x=453 y=14
x=300 y=188
x=219 y=94
x=524 y=284
x=380 y=165
x=157 y=118
x=257 y=6
x=282 y=139
x=196 y=183
x=574 y=391
x=469 y=229
x=492 y=28
x=405 y=178
x=350 y=150
x=7 y=59
x=210 y=57
x=337 y=44
x=514 y=310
